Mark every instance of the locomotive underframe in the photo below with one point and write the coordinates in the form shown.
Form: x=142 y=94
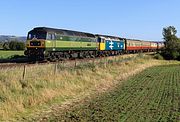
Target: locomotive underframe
x=42 y=54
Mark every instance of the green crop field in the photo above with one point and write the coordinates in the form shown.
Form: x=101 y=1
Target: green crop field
x=152 y=95
x=9 y=54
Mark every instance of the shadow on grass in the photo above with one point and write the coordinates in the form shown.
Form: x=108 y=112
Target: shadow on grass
x=15 y=59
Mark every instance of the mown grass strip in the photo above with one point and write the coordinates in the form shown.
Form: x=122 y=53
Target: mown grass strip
x=10 y=54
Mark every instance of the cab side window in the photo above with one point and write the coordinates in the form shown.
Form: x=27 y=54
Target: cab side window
x=103 y=40
x=51 y=36
x=29 y=36
x=99 y=40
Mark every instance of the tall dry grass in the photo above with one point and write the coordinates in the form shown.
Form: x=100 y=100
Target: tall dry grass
x=45 y=84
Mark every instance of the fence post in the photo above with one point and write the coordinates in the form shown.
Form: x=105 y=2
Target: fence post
x=93 y=61
x=22 y=81
x=55 y=69
x=75 y=63
x=63 y=64
x=24 y=72
x=114 y=59
x=105 y=63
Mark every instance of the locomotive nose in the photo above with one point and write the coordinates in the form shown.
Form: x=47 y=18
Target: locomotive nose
x=36 y=44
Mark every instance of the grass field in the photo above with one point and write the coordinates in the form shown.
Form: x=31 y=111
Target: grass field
x=42 y=87
x=45 y=86
x=9 y=54
x=153 y=95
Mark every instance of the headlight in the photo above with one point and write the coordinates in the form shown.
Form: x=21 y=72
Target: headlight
x=43 y=43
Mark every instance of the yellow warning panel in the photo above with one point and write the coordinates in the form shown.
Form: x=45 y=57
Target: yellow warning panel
x=102 y=46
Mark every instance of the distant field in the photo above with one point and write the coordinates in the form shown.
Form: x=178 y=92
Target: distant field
x=153 y=95
x=9 y=54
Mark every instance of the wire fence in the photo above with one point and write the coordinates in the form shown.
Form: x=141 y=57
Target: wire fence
x=81 y=64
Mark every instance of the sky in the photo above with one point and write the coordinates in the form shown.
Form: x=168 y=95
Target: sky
x=135 y=19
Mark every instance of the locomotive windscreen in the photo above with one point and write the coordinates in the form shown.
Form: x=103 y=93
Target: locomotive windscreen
x=37 y=35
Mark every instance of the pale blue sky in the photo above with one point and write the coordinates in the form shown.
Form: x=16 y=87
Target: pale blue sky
x=140 y=19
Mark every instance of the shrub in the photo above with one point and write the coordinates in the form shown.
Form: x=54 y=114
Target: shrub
x=158 y=56
x=15 y=45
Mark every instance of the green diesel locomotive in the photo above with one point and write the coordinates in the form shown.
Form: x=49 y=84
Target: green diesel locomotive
x=50 y=43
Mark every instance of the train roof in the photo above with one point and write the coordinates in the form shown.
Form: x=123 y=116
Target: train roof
x=145 y=40
x=64 y=32
x=107 y=36
x=134 y=39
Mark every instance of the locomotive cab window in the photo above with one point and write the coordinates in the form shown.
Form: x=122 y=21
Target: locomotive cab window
x=103 y=40
x=36 y=34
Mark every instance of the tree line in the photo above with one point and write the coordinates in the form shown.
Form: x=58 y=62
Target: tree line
x=13 y=45
x=172 y=44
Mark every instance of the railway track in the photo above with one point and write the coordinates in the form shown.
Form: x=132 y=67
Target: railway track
x=31 y=63
x=25 y=62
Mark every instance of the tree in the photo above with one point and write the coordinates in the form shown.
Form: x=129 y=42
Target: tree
x=6 y=46
x=14 y=45
x=172 y=43
x=20 y=46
